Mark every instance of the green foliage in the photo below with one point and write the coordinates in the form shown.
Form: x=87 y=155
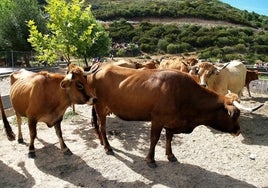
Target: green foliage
x=13 y=28
x=162 y=45
x=73 y=32
x=208 y=9
x=172 y=49
x=219 y=42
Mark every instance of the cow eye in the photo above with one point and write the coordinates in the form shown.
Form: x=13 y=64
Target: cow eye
x=79 y=86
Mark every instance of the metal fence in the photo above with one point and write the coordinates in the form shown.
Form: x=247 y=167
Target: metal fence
x=16 y=58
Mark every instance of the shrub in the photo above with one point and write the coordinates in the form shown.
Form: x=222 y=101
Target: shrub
x=172 y=49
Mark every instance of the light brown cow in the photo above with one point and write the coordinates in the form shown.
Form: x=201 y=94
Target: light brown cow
x=231 y=77
x=250 y=76
x=44 y=97
x=181 y=64
x=150 y=64
x=178 y=63
x=169 y=99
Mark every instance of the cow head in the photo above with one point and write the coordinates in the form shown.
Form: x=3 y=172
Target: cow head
x=205 y=71
x=226 y=117
x=228 y=122
x=75 y=83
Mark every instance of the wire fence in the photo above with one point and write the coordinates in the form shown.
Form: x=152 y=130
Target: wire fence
x=17 y=58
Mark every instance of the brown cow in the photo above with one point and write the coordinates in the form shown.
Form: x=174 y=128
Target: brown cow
x=169 y=99
x=250 y=76
x=44 y=97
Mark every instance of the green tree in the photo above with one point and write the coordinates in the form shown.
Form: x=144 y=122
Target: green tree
x=74 y=31
x=13 y=28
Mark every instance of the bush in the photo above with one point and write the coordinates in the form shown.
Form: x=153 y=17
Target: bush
x=162 y=45
x=146 y=48
x=121 y=52
x=172 y=49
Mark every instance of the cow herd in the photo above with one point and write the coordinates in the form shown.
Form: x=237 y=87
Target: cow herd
x=177 y=95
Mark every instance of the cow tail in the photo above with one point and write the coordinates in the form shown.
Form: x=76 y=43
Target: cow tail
x=94 y=118
x=8 y=129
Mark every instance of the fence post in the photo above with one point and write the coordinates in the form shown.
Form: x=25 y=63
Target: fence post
x=12 y=59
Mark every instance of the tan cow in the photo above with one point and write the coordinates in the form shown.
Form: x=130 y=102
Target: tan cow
x=44 y=97
x=169 y=99
x=221 y=79
x=178 y=63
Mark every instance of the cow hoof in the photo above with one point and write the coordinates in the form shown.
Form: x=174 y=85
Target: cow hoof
x=152 y=165
x=31 y=155
x=110 y=152
x=67 y=152
x=172 y=159
x=20 y=141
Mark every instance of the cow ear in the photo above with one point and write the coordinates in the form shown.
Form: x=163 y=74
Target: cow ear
x=66 y=82
x=228 y=103
x=233 y=112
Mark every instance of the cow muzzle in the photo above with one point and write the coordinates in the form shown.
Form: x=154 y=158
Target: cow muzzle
x=92 y=100
x=203 y=85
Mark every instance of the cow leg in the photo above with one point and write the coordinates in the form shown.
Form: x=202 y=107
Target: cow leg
x=104 y=139
x=102 y=129
x=247 y=86
x=107 y=147
x=32 y=128
x=64 y=148
x=155 y=134
x=94 y=123
x=19 y=121
x=170 y=155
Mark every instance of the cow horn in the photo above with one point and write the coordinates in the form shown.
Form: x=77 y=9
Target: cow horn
x=186 y=65
x=93 y=69
x=250 y=110
x=220 y=68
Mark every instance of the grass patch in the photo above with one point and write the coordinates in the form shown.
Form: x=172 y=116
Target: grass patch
x=69 y=114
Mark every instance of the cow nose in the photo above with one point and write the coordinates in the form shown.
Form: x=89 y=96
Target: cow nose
x=92 y=101
x=204 y=85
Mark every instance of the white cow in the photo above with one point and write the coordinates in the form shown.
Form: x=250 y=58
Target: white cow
x=221 y=79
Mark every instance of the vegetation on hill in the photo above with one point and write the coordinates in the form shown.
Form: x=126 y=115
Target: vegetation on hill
x=204 y=9
x=248 y=41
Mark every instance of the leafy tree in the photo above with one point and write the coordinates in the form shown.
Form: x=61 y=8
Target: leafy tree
x=73 y=32
x=13 y=28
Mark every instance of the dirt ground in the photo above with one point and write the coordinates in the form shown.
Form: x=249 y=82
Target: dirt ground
x=206 y=158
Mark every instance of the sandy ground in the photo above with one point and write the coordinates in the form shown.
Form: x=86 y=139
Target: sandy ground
x=206 y=158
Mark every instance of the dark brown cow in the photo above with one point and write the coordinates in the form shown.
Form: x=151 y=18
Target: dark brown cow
x=250 y=76
x=44 y=97
x=169 y=99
